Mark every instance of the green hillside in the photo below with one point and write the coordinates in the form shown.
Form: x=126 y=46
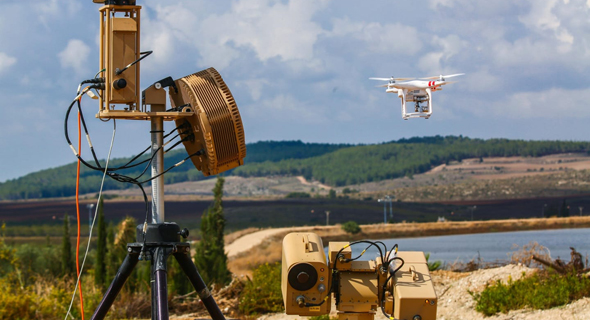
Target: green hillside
x=61 y=181
x=334 y=164
x=368 y=163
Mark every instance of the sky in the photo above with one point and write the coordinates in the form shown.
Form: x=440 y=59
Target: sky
x=299 y=69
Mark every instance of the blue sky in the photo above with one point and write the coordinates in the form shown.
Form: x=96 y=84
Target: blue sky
x=299 y=69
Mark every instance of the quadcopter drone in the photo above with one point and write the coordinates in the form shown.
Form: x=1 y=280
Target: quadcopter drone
x=417 y=91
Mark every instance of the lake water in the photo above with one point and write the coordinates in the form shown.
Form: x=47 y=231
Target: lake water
x=490 y=246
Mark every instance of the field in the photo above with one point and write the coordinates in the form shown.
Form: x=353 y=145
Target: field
x=242 y=214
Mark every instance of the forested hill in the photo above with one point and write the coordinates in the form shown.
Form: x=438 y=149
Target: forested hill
x=368 y=163
x=333 y=164
x=61 y=181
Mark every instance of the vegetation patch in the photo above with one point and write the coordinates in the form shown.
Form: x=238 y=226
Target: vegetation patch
x=542 y=290
x=351 y=227
x=263 y=294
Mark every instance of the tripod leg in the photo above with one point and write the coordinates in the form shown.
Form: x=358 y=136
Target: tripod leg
x=160 y=286
x=153 y=291
x=192 y=273
x=122 y=274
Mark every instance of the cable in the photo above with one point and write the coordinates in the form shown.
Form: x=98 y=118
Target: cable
x=78 y=217
x=94 y=219
x=391 y=274
x=145 y=54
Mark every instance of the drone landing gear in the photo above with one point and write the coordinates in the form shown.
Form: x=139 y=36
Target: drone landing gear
x=159 y=242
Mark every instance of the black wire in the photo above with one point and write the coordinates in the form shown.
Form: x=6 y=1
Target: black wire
x=86 y=132
x=391 y=274
x=335 y=269
x=110 y=171
x=389 y=253
x=198 y=153
x=145 y=54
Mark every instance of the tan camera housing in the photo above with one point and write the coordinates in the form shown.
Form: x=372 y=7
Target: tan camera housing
x=305 y=275
x=409 y=295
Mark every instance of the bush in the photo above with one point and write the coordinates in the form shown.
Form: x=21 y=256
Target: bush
x=298 y=195
x=263 y=294
x=539 y=291
x=435 y=265
x=351 y=227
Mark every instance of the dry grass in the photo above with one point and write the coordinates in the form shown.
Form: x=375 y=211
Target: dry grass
x=269 y=251
x=524 y=254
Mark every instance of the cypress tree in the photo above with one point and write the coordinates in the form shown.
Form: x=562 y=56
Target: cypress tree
x=210 y=256
x=111 y=264
x=100 y=271
x=125 y=235
x=67 y=262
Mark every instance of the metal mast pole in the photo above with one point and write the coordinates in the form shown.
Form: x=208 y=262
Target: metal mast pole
x=157 y=134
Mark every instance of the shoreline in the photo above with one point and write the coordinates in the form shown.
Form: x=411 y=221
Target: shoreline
x=427 y=229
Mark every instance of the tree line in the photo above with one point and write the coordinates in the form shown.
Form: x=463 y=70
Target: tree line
x=404 y=157
x=334 y=164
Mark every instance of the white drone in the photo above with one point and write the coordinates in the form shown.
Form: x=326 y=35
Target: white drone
x=417 y=91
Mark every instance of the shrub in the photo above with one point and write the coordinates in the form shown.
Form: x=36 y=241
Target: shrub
x=539 y=291
x=435 y=265
x=351 y=227
x=263 y=294
x=298 y=195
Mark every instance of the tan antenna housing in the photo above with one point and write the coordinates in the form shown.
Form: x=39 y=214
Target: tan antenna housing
x=216 y=123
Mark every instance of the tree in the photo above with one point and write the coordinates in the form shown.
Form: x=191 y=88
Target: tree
x=210 y=256
x=100 y=271
x=112 y=263
x=125 y=234
x=351 y=227
x=67 y=261
x=332 y=194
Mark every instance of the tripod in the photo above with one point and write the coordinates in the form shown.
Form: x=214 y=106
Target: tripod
x=156 y=243
x=160 y=241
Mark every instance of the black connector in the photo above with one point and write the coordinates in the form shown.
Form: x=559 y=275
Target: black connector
x=99 y=86
x=93 y=80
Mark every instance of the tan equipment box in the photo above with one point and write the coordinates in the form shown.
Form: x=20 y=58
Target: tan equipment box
x=413 y=289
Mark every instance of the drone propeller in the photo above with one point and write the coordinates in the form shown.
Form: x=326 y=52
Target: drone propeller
x=442 y=78
x=392 y=78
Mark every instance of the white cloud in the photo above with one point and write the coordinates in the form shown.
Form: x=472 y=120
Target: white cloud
x=51 y=9
x=254 y=86
x=285 y=107
x=270 y=28
x=75 y=56
x=379 y=38
x=6 y=61
x=555 y=103
x=449 y=47
x=541 y=18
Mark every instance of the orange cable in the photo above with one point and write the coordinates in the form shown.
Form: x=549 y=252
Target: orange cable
x=78 y=216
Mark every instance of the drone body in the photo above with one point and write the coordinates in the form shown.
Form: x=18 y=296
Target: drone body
x=417 y=91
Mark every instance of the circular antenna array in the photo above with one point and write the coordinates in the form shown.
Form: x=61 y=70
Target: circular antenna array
x=214 y=134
